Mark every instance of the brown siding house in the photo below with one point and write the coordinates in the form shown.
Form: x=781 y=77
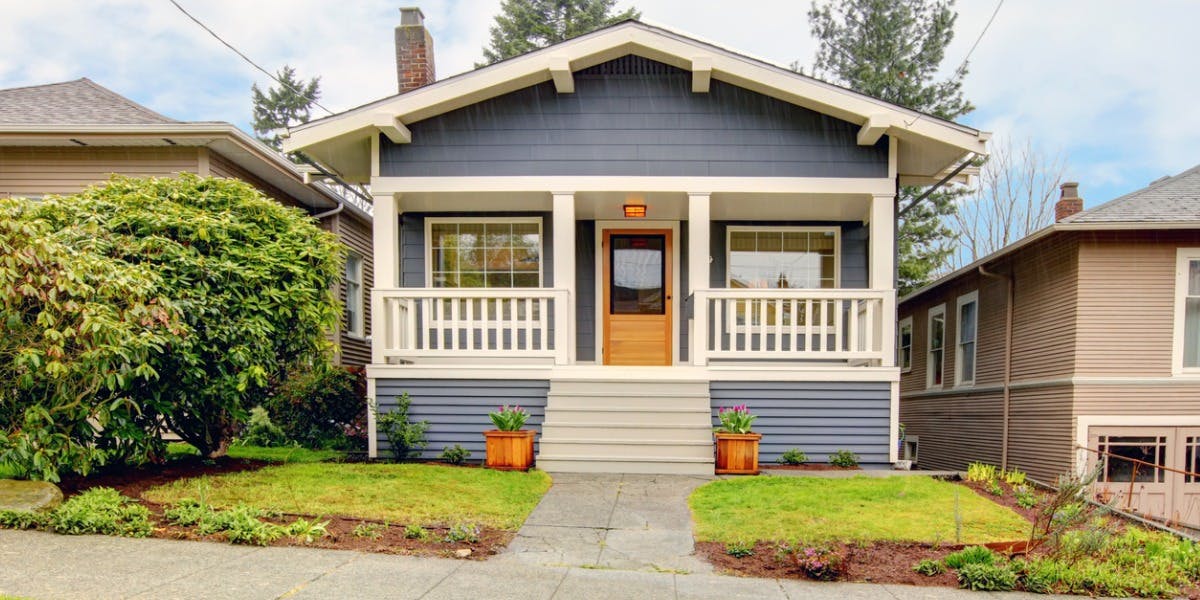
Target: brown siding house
x=60 y=138
x=1103 y=365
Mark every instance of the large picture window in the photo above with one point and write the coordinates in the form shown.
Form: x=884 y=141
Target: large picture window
x=484 y=253
x=935 y=362
x=783 y=257
x=1187 y=315
x=968 y=330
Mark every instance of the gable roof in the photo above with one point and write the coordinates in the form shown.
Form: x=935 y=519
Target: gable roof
x=1168 y=203
x=81 y=101
x=1173 y=199
x=928 y=147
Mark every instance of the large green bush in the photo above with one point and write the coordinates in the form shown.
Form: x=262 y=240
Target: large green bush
x=322 y=407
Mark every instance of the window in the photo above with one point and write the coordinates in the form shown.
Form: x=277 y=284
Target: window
x=783 y=257
x=936 y=339
x=1187 y=312
x=1133 y=458
x=354 y=295
x=968 y=330
x=904 y=344
x=484 y=253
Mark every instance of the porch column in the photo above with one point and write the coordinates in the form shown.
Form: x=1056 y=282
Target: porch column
x=882 y=268
x=386 y=236
x=564 y=277
x=698 y=257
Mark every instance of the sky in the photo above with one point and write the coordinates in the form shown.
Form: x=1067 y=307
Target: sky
x=1111 y=86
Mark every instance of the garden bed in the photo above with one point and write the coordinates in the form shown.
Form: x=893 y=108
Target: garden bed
x=807 y=467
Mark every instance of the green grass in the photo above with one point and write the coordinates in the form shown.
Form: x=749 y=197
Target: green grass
x=814 y=509
x=400 y=493
x=281 y=455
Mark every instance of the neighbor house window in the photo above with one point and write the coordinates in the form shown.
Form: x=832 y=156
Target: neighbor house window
x=354 y=294
x=936 y=336
x=904 y=344
x=1187 y=312
x=484 y=253
x=968 y=330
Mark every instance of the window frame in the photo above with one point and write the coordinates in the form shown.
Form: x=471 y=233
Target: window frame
x=939 y=310
x=355 y=320
x=1184 y=258
x=963 y=300
x=837 y=247
x=428 y=246
x=905 y=322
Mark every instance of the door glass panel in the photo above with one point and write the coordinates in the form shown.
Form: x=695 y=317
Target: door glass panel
x=1133 y=458
x=637 y=275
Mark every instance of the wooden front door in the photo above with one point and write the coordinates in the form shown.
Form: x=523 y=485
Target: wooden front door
x=637 y=296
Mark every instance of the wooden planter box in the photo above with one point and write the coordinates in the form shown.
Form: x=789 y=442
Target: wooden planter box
x=737 y=453
x=509 y=450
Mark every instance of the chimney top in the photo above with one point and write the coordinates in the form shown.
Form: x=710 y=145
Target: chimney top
x=1069 y=201
x=412 y=15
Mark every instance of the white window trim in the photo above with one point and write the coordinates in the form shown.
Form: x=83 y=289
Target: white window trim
x=355 y=326
x=935 y=311
x=963 y=300
x=1183 y=257
x=905 y=322
x=837 y=246
x=430 y=221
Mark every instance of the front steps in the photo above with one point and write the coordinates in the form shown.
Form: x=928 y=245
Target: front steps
x=620 y=426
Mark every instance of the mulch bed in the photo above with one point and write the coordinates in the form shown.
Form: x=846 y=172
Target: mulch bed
x=133 y=481
x=808 y=467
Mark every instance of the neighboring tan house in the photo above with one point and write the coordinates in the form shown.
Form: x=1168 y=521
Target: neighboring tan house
x=624 y=232
x=1103 y=313
x=62 y=137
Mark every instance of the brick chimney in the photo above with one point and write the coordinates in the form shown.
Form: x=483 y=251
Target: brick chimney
x=1069 y=202
x=414 y=51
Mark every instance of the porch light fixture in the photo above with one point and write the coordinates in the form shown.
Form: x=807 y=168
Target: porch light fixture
x=635 y=211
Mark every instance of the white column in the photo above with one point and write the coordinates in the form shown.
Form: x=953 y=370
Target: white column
x=564 y=274
x=386 y=243
x=699 y=247
x=882 y=267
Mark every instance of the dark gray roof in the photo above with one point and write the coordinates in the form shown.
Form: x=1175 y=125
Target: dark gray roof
x=1168 y=200
x=79 y=102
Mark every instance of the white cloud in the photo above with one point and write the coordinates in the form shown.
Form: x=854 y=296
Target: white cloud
x=1112 y=86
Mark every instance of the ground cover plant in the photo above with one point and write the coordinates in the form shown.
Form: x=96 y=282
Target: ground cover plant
x=99 y=510
x=278 y=454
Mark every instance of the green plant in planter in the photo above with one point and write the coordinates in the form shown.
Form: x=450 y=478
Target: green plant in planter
x=735 y=419
x=509 y=418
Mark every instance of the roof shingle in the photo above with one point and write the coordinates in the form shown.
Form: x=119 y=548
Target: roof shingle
x=78 y=102
x=1168 y=200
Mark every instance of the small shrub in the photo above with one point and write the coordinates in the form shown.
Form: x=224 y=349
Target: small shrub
x=101 y=510
x=736 y=419
x=993 y=488
x=405 y=438
x=987 y=578
x=456 y=455
x=20 y=519
x=929 y=568
x=820 y=564
x=739 y=549
x=975 y=555
x=415 y=532
x=792 y=456
x=1025 y=496
x=307 y=531
x=1015 y=477
x=508 y=418
x=260 y=431
x=322 y=407
x=843 y=458
x=463 y=532
x=982 y=473
x=373 y=531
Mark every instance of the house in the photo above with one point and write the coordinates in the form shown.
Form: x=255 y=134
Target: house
x=1080 y=338
x=62 y=137
x=624 y=232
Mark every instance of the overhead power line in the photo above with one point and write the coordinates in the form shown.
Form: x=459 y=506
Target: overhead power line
x=244 y=57
x=966 y=58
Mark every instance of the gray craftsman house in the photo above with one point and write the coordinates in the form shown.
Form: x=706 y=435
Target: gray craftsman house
x=626 y=231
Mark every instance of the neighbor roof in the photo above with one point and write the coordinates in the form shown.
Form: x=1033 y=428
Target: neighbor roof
x=1168 y=200
x=77 y=102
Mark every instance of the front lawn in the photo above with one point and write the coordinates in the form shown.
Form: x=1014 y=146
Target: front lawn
x=858 y=509
x=284 y=454
x=398 y=493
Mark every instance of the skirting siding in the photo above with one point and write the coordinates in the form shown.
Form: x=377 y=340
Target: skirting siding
x=818 y=418
x=457 y=410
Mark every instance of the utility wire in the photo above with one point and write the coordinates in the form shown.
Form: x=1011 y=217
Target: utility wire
x=246 y=58
x=963 y=65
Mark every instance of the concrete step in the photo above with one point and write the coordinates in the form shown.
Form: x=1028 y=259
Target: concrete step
x=563 y=463
x=639 y=401
x=628 y=416
x=619 y=388
x=627 y=431
x=618 y=449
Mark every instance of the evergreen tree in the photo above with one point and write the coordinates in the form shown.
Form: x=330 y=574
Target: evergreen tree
x=282 y=106
x=525 y=25
x=891 y=49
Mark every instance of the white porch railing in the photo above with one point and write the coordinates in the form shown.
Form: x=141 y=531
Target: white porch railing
x=415 y=323
x=790 y=324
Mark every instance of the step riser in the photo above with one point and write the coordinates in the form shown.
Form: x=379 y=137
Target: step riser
x=627 y=388
x=569 y=432
x=649 y=468
x=634 y=402
x=619 y=451
x=699 y=420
